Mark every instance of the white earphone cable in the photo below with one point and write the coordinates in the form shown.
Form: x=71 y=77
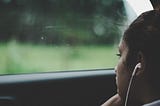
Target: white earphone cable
x=130 y=82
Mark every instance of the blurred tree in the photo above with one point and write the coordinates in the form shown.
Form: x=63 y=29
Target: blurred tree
x=56 y=21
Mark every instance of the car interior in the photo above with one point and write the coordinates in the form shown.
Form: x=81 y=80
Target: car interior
x=82 y=88
x=68 y=88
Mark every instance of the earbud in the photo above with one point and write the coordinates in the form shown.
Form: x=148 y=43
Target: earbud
x=138 y=66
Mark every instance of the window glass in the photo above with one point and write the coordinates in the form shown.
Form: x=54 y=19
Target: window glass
x=59 y=35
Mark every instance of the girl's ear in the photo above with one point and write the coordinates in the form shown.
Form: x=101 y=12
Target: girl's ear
x=141 y=60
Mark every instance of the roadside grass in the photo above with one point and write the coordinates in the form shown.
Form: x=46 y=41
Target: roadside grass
x=28 y=58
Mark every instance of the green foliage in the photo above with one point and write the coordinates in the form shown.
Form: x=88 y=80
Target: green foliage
x=58 y=21
x=58 y=34
x=26 y=58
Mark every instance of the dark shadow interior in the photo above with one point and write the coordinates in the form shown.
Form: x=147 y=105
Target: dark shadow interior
x=76 y=89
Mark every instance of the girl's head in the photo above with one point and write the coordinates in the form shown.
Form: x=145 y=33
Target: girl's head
x=140 y=43
x=143 y=35
x=143 y=41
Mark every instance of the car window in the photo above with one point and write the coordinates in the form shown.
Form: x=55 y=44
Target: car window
x=59 y=35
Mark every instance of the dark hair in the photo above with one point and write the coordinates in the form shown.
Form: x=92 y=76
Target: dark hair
x=143 y=35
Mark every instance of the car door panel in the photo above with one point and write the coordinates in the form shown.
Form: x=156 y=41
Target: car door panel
x=78 y=88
